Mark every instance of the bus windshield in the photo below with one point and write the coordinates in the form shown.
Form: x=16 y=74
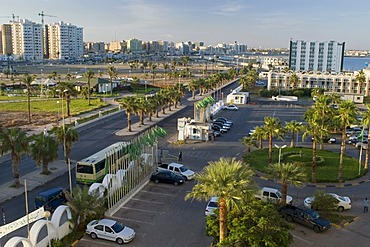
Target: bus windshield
x=85 y=169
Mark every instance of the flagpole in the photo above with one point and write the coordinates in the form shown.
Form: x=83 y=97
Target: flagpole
x=360 y=157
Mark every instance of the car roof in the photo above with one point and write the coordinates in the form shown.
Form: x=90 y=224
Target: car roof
x=214 y=199
x=107 y=222
x=51 y=191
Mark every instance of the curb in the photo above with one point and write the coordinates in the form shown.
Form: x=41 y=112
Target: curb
x=338 y=185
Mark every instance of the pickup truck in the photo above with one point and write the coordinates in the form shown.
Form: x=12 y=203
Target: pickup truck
x=272 y=195
x=177 y=168
x=306 y=217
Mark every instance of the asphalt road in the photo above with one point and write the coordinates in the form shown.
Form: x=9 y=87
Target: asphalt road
x=159 y=214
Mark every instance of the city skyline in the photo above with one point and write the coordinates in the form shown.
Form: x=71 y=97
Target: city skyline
x=266 y=24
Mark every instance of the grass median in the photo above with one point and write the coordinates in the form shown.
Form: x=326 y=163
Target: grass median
x=327 y=163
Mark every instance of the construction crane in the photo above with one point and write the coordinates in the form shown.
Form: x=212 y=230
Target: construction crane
x=13 y=17
x=42 y=17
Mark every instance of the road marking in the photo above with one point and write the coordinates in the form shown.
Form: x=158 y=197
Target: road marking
x=157 y=193
x=101 y=242
x=137 y=221
x=140 y=210
x=309 y=242
x=140 y=200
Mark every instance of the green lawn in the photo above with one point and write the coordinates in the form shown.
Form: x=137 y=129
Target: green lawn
x=327 y=162
x=48 y=105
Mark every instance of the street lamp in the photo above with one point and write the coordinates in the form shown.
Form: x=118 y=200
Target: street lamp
x=58 y=112
x=284 y=146
x=47 y=215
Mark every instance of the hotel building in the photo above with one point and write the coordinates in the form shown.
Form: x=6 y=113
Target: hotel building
x=316 y=56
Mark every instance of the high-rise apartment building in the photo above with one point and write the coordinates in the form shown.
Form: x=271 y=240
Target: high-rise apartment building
x=26 y=40
x=65 y=41
x=134 y=45
x=316 y=56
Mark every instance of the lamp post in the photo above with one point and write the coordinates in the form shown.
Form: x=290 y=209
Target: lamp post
x=58 y=112
x=47 y=215
x=280 y=148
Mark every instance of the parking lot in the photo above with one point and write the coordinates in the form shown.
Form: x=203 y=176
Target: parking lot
x=161 y=217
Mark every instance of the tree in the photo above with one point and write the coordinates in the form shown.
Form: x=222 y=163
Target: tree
x=294 y=127
x=193 y=85
x=322 y=106
x=347 y=114
x=255 y=224
x=251 y=78
x=249 y=142
x=227 y=178
x=67 y=90
x=293 y=80
x=89 y=75
x=366 y=122
x=324 y=202
x=272 y=128
x=361 y=79
x=16 y=142
x=44 y=150
x=85 y=207
x=27 y=79
x=288 y=173
x=112 y=73
x=66 y=136
x=129 y=104
x=259 y=134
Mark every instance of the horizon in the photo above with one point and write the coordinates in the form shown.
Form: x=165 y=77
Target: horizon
x=261 y=24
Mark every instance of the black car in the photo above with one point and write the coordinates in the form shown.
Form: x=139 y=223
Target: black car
x=306 y=217
x=225 y=119
x=218 y=128
x=164 y=176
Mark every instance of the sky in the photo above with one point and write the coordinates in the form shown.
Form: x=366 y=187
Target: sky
x=257 y=24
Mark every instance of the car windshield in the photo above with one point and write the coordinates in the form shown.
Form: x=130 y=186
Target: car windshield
x=118 y=227
x=183 y=168
x=212 y=204
x=278 y=193
x=341 y=198
x=315 y=215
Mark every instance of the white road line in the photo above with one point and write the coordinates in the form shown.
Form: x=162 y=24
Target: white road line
x=156 y=193
x=141 y=200
x=140 y=210
x=101 y=242
x=309 y=242
x=137 y=221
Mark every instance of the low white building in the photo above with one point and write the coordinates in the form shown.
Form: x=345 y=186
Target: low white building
x=239 y=98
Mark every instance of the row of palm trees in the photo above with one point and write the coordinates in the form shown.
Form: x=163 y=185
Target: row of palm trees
x=321 y=119
x=43 y=147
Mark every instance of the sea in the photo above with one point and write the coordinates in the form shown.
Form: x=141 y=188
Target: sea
x=355 y=63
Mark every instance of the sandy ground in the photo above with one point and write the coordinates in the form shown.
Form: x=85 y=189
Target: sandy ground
x=20 y=119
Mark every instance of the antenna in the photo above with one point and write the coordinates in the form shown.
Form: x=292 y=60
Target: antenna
x=42 y=17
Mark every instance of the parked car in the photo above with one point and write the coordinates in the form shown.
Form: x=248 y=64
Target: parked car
x=220 y=127
x=225 y=119
x=344 y=203
x=224 y=125
x=306 y=217
x=211 y=205
x=110 y=230
x=329 y=140
x=231 y=108
x=50 y=199
x=166 y=176
x=362 y=145
x=224 y=122
x=178 y=169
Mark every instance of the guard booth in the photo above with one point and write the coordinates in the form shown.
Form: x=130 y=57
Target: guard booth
x=188 y=129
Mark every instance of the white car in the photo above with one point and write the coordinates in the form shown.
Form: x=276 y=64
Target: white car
x=110 y=230
x=344 y=202
x=231 y=108
x=211 y=206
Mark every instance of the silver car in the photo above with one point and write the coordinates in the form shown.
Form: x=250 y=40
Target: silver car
x=110 y=230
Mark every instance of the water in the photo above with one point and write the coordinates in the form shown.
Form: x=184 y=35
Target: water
x=355 y=63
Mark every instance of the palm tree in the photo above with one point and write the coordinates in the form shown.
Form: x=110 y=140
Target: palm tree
x=259 y=134
x=288 y=173
x=129 y=104
x=251 y=78
x=322 y=105
x=16 y=142
x=347 y=115
x=44 y=150
x=84 y=206
x=165 y=68
x=366 y=122
x=249 y=142
x=66 y=136
x=361 y=78
x=227 y=178
x=293 y=80
x=193 y=85
x=68 y=90
x=294 y=127
x=27 y=79
x=112 y=73
x=89 y=75
x=313 y=117
x=272 y=128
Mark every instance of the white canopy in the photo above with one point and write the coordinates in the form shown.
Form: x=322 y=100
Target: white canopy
x=49 y=82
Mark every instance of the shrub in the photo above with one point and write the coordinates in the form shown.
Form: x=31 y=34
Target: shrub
x=324 y=202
